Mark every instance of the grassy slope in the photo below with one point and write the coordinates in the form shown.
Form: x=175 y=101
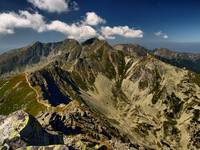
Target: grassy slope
x=16 y=94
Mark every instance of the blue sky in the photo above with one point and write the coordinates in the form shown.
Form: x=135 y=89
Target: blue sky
x=173 y=24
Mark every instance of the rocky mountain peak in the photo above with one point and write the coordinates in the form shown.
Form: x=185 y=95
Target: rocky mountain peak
x=36 y=43
x=67 y=41
x=132 y=49
x=164 y=52
x=91 y=41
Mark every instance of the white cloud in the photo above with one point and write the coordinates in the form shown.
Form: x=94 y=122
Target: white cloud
x=93 y=19
x=76 y=31
x=54 y=5
x=24 y=19
x=125 y=31
x=10 y=21
x=165 y=36
x=161 y=34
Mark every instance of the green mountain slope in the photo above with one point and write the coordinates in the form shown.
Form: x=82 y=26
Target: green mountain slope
x=16 y=94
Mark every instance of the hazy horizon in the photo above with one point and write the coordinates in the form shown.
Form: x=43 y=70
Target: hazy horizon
x=150 y=23
x=193 y=47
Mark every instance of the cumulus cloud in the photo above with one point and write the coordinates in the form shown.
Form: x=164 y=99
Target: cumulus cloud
x=165 y=36
x=24 y=19
x=93 y=19
x=125 y=31
x=161 y=34
x=54 y=5
x=78 y=30
x=75 y=31
x=9 y=21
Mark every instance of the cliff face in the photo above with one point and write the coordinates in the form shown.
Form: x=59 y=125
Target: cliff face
x=20 y=129
x=117 y=97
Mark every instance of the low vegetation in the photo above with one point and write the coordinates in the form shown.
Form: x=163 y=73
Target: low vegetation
x=16 y=94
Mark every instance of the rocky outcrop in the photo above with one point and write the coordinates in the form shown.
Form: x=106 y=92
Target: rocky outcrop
x=20 y=129
x=51 y=147
x=71 y=127
x=81 y=126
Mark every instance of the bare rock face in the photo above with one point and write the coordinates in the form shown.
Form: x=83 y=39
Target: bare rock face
x=50 y=147
x=20 y=129
x=12 y=125
x=70 y=127
x=82 y=128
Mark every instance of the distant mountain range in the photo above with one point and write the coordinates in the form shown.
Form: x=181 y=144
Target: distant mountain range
x=189 y=61
x=92 y=95
x=18 y=59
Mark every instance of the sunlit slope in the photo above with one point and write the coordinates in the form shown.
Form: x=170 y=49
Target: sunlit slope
x=16 y=94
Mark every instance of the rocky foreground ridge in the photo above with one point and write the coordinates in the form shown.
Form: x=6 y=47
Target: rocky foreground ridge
x=71 y=127
x=97 y=96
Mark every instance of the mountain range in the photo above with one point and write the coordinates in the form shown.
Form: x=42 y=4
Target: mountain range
x=91 y=95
